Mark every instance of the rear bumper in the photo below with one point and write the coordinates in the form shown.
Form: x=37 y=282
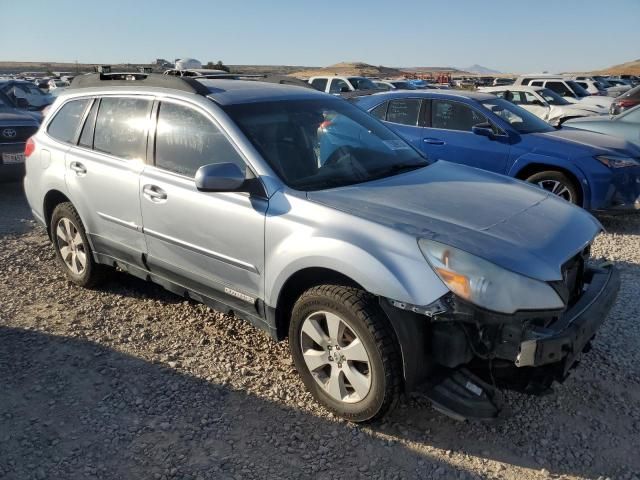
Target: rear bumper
x=14 y=171
x=563 y=341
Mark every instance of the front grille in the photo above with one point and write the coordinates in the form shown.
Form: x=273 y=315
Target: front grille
x=10 y=134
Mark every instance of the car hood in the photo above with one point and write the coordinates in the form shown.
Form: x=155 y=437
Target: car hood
x=573 y=143
x=514 y=225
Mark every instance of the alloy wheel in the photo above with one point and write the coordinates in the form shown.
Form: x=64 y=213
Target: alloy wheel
x=557 y=188
x=71 y=246
x=336 y=357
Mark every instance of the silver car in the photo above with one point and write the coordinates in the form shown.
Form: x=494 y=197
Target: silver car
x=306 y=216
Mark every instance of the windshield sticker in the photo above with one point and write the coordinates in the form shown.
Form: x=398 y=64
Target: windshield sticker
x=396 y=145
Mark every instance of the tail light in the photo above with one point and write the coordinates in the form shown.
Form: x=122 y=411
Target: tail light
x=627 y=103
x=30 y=147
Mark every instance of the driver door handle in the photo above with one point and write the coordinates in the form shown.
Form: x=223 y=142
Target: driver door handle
x=433 y=141
x=154 y=193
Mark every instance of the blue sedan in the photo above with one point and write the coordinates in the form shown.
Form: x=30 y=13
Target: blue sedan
x=597 y=172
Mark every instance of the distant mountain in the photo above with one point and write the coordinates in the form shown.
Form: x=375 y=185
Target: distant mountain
x=480 y=70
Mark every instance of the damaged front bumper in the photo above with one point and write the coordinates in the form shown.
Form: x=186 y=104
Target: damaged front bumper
x=454 y=348
x=563 y=341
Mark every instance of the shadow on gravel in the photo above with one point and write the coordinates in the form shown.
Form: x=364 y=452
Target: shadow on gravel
x=621 y=224
x=74 y=409
x=15 y=214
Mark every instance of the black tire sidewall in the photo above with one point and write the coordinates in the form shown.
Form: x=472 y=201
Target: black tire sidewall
x=366 y=408
x=66 y=210
x=557 y=177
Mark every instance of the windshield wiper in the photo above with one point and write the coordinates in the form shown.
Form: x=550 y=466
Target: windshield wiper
x=400 y=167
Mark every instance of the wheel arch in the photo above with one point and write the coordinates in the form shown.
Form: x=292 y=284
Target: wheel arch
x=298 y=283
x=525 y=170
x=52 y=199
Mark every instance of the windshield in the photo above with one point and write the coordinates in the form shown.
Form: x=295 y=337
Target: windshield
x=631 y=116
x=361 y=83
x=404 y=85
x=577 y=89
x=519 y=118
x=317 y=144
x=551 y=97
x=4 y=101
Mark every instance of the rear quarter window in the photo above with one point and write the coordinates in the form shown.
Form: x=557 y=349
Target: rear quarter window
x=66 y=122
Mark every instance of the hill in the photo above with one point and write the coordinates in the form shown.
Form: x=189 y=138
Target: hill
x=628 y=68
x=351 y=69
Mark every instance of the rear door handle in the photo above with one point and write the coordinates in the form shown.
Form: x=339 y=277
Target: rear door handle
x=433 y=141
x=154 y=193
x=79 y=168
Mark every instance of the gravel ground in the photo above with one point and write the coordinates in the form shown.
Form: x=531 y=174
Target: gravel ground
x=130 y=381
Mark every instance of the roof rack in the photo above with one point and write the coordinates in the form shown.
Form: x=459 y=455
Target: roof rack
x=135 y=79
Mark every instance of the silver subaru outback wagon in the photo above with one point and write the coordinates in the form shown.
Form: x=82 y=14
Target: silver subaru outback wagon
x=309 y=218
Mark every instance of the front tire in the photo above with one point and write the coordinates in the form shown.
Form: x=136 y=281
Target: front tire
x=558 y=184
x=346 y=352
x=73 y=252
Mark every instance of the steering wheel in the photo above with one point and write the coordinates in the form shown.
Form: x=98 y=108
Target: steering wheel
x=343 y=156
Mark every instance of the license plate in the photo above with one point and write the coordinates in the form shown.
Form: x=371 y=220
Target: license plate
x=8 y=158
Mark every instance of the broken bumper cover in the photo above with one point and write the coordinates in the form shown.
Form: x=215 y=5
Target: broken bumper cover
x=564 y=340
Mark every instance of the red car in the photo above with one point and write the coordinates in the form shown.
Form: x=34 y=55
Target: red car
x=626 y=101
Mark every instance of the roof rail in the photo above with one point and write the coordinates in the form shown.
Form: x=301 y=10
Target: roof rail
x=134 y=79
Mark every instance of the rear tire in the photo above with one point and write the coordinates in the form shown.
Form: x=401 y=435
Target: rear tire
x=558 y=184
x=346 y=351
x=73 y=252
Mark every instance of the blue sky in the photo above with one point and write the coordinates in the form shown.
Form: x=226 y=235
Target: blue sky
x=508 y=35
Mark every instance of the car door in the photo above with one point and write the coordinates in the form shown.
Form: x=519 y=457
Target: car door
x=209 y=242
x=103 y=173
x=448 y=136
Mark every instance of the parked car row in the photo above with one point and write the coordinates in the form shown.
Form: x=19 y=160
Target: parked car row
x=597 y=172
x=356 y=228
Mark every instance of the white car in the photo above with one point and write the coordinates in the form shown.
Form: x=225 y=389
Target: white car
x=567 y=89
x=603 y=84
x=55 y=83
x=545 y=103
x=337 y=84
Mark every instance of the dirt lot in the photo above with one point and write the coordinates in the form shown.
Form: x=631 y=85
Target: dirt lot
x=129 y=381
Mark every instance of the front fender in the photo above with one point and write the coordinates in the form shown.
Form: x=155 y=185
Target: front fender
x=528 y=159
x=411 y=282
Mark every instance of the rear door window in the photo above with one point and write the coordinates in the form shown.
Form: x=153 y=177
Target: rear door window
x=187 y=140
x=404 y=111
x=65 y=124
x=121 y=127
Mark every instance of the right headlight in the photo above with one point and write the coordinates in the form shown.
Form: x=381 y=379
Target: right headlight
x=486 y=284
x=616 y=161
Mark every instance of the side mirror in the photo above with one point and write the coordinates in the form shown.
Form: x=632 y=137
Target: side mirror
x=344 y=90
x=537 y=103
x=22 y=103
x=220 y=177
x=483 y=129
